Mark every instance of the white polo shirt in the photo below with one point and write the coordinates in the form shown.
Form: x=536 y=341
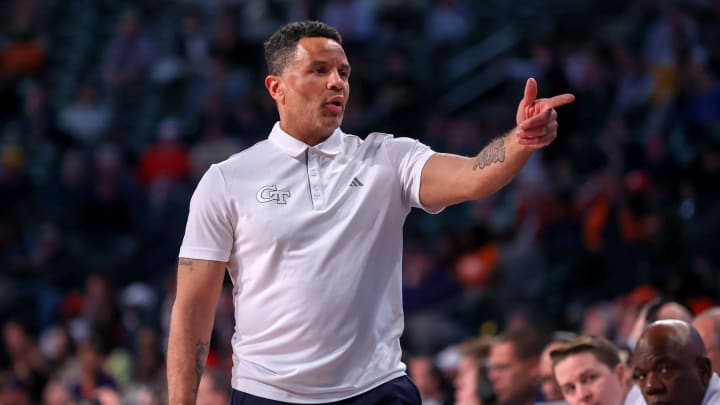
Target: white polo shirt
x=313 y=240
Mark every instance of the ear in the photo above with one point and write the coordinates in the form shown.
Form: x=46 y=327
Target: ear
x=621 y=374
x=533 y=366
x=274 y=86
x=705 y=370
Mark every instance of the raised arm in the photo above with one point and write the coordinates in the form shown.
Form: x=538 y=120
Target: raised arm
x=199 y=283
x=450 y=179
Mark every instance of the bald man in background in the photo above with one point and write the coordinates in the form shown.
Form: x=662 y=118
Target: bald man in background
x=707 y=324
x=671 y=366
x=655 y=310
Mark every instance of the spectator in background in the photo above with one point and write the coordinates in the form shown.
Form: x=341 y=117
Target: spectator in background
x=671 y=367
x=589 y=371
x=214 y=146
x=707 y=323
x=16 y=190
x=656 y=310
x=64 y=197
x=428 y=379
x=23 y=55
x=93 y=377
x=447 y=22
x=354 y=19
x=472 y=386
x=193 y=44
x=58 y=347
x=513 y=367
x=28 y=368
x=128 y=57
x=13 y=392
x=147 y=383
x=15 y=185
x=167 y=158
x=672 y=45
x=56 y=393
x=161 y=215
x=226 y=44
x=107 y=226
x=85 y=119
x=22 y=15
x=100 y=314
x=653 y=310
x=149 y=361
x=37 y=121
x=548 y=385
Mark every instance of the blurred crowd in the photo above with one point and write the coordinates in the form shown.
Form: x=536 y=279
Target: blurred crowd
x=110 y=111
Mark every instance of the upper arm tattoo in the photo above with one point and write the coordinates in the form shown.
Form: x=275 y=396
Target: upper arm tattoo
x=186 y=263
x=493 y=153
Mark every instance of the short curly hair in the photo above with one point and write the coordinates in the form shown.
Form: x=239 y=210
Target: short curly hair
x=281 y=47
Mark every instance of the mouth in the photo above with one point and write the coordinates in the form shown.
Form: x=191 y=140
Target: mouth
x=336 y=104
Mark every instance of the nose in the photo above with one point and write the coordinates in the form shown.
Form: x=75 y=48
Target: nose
x=584 y=394
x=336 y=82
x=653 y=385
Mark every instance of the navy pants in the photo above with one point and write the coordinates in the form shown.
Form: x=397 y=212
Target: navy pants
x=400 y=391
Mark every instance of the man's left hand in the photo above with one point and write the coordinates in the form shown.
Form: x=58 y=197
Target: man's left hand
x=536 y=118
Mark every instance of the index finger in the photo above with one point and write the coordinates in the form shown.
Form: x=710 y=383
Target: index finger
x=560 y=100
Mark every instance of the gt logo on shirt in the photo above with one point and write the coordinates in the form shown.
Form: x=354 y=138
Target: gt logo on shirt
x=271 y=193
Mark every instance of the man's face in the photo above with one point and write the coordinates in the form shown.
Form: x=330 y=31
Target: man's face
x=466 y=381
x=421 y=372
x=667 y=374
x=313 y=90
x=548 y=385
x=584 y=380
x=513 y=379
x=706 y=329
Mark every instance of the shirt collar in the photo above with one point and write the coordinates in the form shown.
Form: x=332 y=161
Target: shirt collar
x=294 y=147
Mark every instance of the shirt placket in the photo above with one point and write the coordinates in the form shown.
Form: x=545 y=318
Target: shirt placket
x=317 y=191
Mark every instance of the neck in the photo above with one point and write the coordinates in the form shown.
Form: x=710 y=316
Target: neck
x=307 y=137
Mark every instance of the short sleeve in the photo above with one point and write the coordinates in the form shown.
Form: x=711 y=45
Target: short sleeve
x=408 y=157
x=209 y=230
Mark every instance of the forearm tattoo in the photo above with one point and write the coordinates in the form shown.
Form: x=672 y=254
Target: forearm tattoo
x=201 y=352
x=187 y=263
x=493 y=153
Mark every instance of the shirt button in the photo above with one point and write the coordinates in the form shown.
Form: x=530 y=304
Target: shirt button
x=313 y=172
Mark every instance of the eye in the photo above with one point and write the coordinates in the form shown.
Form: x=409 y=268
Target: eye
x=638 y=376
x=589 y=378
x=568 y=389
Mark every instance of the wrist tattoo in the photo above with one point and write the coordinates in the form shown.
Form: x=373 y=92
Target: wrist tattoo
x=493 y=153
x=201 y=352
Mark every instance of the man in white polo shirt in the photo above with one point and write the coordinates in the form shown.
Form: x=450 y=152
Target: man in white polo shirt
x=309 y=226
